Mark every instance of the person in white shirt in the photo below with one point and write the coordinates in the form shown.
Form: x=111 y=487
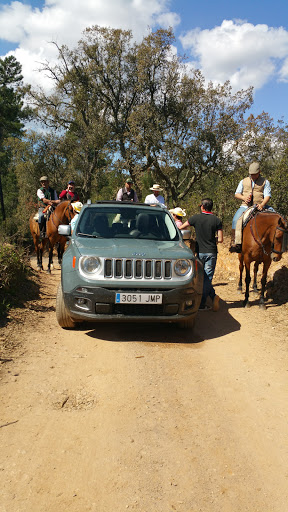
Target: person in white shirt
x=155 y=198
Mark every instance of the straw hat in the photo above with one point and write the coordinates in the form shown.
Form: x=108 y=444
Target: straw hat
x=44 y=178
x=156 y=188
x=77 y=206
x=178 y=211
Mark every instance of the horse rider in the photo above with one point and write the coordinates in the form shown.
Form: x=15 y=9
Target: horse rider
x=155 y=198
x=69 y=193
x=127 y=193
x=252 y=190
x=46 y=196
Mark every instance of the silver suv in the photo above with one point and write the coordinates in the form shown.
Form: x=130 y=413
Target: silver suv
x=127 y=262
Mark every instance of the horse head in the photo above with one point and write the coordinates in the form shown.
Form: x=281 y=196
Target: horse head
x=280 y=240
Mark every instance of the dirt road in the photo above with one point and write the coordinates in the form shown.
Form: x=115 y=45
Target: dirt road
x=146 y=418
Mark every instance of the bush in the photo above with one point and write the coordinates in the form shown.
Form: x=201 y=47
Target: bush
x=14 y=268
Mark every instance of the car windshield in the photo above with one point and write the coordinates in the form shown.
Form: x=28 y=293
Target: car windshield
x=148 y=223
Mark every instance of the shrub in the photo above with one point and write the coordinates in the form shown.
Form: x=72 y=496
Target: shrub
x=14 y=268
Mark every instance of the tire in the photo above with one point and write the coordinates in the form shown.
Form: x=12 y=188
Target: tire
x=62 y=315
x=187 y=323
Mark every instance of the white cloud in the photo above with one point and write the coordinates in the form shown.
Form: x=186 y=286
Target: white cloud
x=243 y=53
x=63 y=21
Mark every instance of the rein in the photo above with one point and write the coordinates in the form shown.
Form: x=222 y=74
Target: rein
x=60 y=220
x=259 y=242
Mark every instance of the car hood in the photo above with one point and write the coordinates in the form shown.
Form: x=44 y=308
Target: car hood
x=126 y=248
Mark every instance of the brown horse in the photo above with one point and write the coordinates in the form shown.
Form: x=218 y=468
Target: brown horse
x=63 y=214
x=39 y=244
x=264 y=241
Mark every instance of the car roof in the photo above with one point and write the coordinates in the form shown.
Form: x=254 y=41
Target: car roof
x=124 y=203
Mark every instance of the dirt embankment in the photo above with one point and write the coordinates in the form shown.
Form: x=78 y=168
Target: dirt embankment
x=147 y=417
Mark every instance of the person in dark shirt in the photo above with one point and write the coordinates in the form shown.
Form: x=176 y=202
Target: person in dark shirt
x=209 y=232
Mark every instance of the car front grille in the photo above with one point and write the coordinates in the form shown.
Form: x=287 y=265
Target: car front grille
x=137 y=268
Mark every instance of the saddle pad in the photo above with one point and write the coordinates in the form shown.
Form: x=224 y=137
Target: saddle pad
x=36 y=216
x=248 y=214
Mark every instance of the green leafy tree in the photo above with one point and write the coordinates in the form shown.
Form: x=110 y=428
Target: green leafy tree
x=12 y=112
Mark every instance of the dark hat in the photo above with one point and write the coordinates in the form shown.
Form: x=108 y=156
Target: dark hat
x=128 y=180
x=71 y=182
x=44 y=178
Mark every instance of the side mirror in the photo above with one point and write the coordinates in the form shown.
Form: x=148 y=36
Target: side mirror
x=186 y=234
x=64 y=230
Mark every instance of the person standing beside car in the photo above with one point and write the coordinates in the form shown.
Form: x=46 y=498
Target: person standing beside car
x=209 y=232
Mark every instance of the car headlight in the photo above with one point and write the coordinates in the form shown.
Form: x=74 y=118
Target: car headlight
x=89 y=264
x=182 y=267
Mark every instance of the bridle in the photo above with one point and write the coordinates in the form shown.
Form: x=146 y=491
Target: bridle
x=259 y=242
x=60 y=220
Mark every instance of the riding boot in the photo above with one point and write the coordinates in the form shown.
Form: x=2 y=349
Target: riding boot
x=42 y=229
x=233 y=246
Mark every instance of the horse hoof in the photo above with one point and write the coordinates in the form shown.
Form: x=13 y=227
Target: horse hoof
x=254 y=290
x=239 y=290
x=262 y=306
x=246 y=304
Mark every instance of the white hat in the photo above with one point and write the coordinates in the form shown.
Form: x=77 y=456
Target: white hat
x=77 y=206
x=178 y=211
x=156 y=187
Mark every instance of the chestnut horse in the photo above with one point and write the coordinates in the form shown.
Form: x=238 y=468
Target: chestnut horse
x=62 y=214
x=39 y=244
x=264 y=241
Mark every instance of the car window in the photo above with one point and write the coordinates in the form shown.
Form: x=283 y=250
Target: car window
x=120 y=222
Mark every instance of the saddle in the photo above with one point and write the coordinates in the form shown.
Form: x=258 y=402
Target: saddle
x=242 y=222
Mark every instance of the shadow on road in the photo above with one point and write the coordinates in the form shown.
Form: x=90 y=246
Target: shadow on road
x=208 y=325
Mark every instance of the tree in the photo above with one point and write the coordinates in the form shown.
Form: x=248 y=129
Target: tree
x=116 y=98
x=12 y=111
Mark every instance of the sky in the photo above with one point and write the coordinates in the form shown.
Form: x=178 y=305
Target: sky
x=244 y=42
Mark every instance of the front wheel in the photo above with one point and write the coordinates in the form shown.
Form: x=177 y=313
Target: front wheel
x=188 y=323
x=62 y=315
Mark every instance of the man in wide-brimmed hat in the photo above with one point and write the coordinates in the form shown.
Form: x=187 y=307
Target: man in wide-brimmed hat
x=155 y=198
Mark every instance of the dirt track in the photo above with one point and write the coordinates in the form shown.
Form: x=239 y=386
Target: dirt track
x=147 y=418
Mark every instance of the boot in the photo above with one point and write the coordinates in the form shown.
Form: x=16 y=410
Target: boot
x=42 y=230
x=234 y=247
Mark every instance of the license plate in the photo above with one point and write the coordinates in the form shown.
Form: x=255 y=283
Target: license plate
x=138 y=298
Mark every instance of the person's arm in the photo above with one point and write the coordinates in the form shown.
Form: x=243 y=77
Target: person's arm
x=266 y=194
x=185 y=225
x=119 y=195
x=63 y=194
x=239 y=194
x=136 y=200
x=219 y=236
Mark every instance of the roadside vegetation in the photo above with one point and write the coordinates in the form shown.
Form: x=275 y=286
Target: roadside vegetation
x=116 y=107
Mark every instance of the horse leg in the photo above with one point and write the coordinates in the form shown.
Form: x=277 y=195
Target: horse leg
x=246 y=302
x=256 y=267
x=241 y=266
x=266 y=266
x=50 y=257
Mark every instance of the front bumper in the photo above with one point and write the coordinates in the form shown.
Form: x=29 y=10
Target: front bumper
x=97 y=304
